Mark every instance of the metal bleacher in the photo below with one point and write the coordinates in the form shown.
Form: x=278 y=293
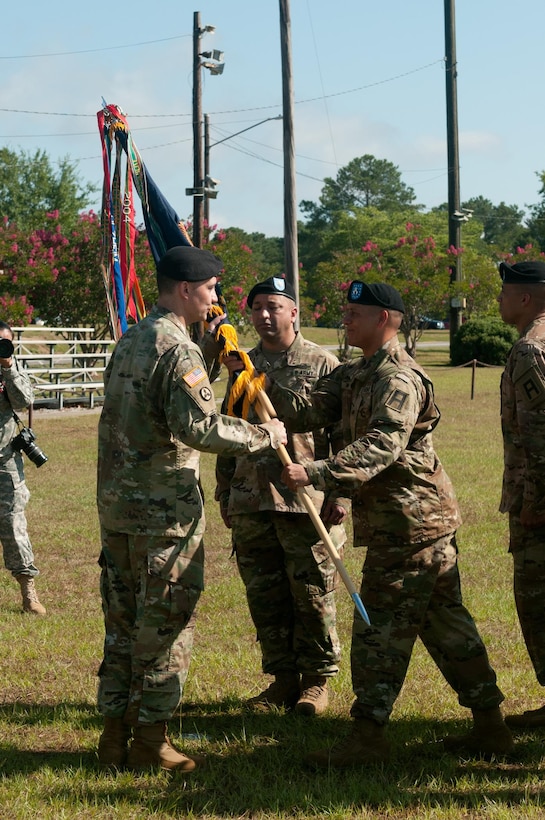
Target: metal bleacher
x=65 y=364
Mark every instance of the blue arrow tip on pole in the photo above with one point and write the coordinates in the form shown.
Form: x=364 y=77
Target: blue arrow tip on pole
x=360 y=607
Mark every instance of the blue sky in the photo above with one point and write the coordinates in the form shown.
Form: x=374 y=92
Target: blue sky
x=368 y=79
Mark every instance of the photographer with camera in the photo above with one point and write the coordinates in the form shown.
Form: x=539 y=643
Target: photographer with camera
x=15 y=394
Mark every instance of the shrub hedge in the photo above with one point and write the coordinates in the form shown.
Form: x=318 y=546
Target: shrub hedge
x=487 y=339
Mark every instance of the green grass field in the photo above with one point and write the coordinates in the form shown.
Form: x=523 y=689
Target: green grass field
x=49 y=725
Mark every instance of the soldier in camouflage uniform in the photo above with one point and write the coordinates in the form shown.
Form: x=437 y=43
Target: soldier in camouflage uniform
x=522 y=304
x=288 y=574
x=405 y=512
x=15 y=394
x=159 y=411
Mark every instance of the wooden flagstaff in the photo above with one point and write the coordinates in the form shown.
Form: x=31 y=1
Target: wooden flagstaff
x=266 y=412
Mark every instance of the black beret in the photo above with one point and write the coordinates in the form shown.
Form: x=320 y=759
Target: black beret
x=275 y=285
x=523 y=273
x=188 y=264
x=376 y=293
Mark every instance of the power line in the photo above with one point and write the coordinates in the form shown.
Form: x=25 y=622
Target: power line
x=217 y=113
x=240 y=110
x=91 y=50
x=241 y=150
x=81 y=133
x=441 y=172
x=68 y=114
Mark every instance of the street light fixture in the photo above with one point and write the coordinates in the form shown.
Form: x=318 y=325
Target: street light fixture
x=214 y=68
x=209 y=192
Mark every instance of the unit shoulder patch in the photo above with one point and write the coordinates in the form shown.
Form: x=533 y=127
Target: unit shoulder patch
x=397 y=400
x=529 y=379
x=531 y=388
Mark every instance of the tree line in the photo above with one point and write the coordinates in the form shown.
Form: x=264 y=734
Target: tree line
x=365 y=224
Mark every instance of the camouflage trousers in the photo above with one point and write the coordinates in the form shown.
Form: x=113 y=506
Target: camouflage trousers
x=528 y=550
x=410 y=595
x=14 y=496
x=290 y=581
x=149 y=587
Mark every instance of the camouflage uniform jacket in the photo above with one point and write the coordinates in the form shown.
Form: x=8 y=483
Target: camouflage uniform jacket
x=523 y=422
x=15 y=394
x=251 y=482
x=400 y=491
x=159 y=409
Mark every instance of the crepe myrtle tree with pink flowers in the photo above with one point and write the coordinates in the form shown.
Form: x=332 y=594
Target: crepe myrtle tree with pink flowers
x=56 y=275
x=417 y=268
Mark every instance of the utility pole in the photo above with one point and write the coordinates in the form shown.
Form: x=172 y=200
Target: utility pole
x=198 y=165
x=291 y=255
x=455 y=216
x=207 y=169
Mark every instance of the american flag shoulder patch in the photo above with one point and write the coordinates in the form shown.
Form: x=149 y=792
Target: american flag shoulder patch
x=194 y=376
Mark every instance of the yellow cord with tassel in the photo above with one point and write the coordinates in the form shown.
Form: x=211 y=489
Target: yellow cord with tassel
x=248 y=383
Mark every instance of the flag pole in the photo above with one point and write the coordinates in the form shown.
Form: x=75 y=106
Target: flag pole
x=266 y=412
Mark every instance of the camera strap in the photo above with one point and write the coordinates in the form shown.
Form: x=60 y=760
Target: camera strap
x=19 y=422
x=17 y=419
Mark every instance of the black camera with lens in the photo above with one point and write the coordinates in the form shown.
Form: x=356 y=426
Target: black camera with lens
x=24 y=442
x=6 y=348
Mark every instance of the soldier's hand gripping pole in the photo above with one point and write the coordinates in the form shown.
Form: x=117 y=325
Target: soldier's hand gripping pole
x=266 y=411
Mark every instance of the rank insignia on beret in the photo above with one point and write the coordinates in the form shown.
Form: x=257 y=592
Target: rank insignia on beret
x=206 y=393
x=356 y=289
x=193 y=377
x=397 y=400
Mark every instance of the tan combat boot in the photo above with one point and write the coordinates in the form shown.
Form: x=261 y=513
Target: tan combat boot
x=366 y=744
x=314 y=697
x=30 y=596
x=151 y=747
x=489 y=735
x=283 y=692
x=113 y=743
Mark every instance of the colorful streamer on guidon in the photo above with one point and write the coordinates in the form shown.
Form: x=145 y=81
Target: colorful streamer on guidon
x=163 y=226
x=164 y=230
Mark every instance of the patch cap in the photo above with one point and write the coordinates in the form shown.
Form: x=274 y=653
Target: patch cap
x=376 y=293
x=275 y=285
x=523 y=273
x=184 y=263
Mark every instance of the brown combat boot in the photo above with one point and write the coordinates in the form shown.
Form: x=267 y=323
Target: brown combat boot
x=113 y=743
x=366 y=743
x=151 y=747
x=489 y=735
x=283 y=692
x=30 y=596
x=530 y=719
x=314 y=697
